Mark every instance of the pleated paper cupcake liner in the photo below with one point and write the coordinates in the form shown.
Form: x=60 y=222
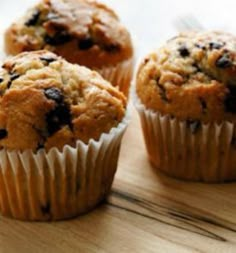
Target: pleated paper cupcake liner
x=59 y=185
x=189 y=150
x=119 y=75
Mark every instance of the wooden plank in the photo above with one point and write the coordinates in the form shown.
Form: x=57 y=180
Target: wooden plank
x=145 y=212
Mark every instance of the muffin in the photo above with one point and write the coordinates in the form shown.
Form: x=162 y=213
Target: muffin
x=60 y=131
x=82 y=31
x=186 y=98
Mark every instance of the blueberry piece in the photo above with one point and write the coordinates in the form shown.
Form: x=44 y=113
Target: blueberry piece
x=224 y=62
x=58 y=38
x=54 y=94
x=230 y=99
x=34 y=18
x=193 y=125
x=3 y=133
x=47 y=59
x=183 y=50
x=85 y=44
x=46 y=208
x=215 y=45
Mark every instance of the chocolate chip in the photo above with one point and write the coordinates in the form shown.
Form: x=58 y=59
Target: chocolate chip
x=200 y=46
x=215 y=45
x=1 y=79
x=224 y=62
x=46 y=208
x=162 y=93
x=54 y=94
x=60 y=115
x=58 y=118
x=40 y=146
x=8 y=66
x=203 y=105
x=146 y=60
x=58 y=39
x=112 y=48
x=193 y=125
x=13 y=76
x=230 y=99
x=183 y=50
x=47 y=59
x=85 y=44
x=3 y=133
x=34 y=18
x=195 y=65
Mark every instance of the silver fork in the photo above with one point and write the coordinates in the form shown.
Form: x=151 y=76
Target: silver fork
x=187 y=23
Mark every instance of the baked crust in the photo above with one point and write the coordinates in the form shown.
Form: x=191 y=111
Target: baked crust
x=47 y=102
x=82 y=31
x=192 y=77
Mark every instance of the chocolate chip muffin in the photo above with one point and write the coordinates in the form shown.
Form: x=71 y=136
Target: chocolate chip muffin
x=82 y=31
x=60 y=132
x=186 y=92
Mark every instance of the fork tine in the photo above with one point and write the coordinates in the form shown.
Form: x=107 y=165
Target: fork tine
x=187 y=23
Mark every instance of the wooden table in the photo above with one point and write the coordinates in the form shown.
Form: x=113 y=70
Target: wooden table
x=146 y=212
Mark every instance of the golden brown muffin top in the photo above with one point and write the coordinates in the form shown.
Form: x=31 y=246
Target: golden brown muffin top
x=47 y=102
x=68 y=26
x=192 y=77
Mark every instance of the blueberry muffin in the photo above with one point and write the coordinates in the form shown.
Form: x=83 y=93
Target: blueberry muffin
x=60 y=131
x=82 y=31
x=186 y=93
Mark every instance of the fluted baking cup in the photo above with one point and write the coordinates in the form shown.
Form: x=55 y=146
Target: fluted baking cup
x=189 y=150
x=59 y=185
x=119 y=75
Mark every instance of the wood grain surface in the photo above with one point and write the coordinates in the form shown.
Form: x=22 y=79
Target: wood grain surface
x=145 y=212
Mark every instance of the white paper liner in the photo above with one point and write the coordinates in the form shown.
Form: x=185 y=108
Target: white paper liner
x=207 y=155
x=119 y=75
x=59 y=185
